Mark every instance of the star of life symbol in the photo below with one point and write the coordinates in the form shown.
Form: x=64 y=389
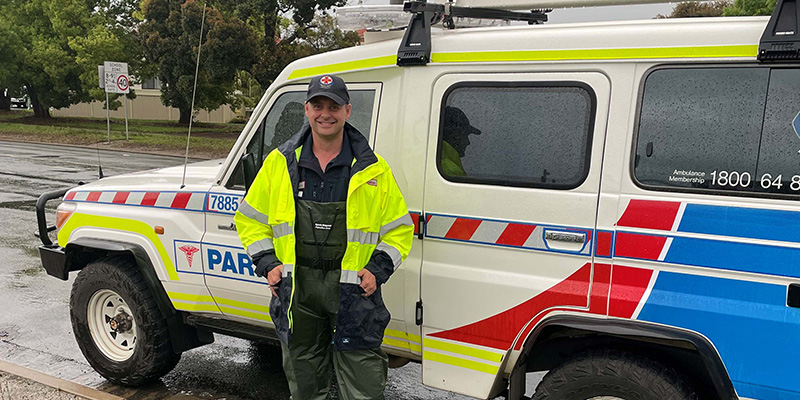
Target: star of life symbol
x=189 y=250
x=326 y=81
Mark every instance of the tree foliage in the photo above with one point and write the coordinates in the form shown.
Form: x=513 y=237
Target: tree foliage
x=53 y=47
x=170 y=36
x=282 y=41
x=689 y=9
x=750 y=7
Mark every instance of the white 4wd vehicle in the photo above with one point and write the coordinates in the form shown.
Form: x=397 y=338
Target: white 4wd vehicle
x=616 y=203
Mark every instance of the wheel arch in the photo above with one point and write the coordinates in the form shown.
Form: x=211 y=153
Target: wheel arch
x=558 y=337
x=82 y=251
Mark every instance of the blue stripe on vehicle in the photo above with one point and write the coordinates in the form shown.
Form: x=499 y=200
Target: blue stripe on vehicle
x=745 y=257
x=741 y=222
x=753 y=330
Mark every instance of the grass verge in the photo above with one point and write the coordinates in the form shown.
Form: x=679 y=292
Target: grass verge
x=163 y=137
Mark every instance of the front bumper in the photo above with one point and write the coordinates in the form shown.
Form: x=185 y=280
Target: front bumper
x=54 y=261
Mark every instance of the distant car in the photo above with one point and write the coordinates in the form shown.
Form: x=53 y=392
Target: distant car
x=19 y=102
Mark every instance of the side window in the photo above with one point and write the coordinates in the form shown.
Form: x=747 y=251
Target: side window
x=726 y=129
x=530 y=135
x=287 y=116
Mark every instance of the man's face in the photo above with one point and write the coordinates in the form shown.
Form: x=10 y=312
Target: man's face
x=326 y=117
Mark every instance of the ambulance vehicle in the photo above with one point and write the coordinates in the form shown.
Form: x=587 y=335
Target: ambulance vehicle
x=615 y=203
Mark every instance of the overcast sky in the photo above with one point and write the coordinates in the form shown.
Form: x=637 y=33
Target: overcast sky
x=645 y=11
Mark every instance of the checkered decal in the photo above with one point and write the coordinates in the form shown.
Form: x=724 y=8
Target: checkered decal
x=498 y=233
x=180 y=200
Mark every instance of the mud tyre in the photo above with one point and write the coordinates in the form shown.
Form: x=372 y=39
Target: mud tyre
x=613 y=375
x=118 y=325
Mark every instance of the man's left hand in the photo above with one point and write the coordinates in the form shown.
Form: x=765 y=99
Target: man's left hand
x=368 y=282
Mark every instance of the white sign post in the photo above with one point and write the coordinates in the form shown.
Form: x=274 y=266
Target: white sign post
x=117 y=81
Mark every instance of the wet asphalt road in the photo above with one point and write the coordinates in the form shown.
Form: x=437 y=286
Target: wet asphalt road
x=35 y=330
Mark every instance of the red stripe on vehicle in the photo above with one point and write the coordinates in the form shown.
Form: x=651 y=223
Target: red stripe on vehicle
x=93 y=196
x=638 y=246
x=415 y=218
x=650 y=214
x=628 y=285
x=499 y=331
x=515 y=234
x=598 y=300
x=70 y=196
x=463 y=228
x=181 y=200
x=150 y=198
x=121 y=197
x=604 y=240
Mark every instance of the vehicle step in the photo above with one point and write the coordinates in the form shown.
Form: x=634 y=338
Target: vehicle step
x=233 y=328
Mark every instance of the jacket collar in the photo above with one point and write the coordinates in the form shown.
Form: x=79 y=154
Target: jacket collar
x=358 y=143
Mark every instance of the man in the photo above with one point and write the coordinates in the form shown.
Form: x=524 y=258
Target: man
x=455 y=139
x=326 y=224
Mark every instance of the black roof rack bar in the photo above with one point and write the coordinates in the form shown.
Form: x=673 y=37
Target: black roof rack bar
x=781 y=40
x=415 y=49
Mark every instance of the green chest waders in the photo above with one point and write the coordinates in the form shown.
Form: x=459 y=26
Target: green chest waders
x=321 y=230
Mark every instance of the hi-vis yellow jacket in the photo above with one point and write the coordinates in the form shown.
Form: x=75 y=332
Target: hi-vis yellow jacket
x=377 y=220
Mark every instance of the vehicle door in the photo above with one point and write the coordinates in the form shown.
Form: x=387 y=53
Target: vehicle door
x=229 y=272
x=511 y=191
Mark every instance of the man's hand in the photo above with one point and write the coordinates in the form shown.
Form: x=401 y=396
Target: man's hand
x=274 y=277
x=368 y=282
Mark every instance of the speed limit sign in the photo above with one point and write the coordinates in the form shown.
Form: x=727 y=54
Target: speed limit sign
x=122 y=83
x=116 y=77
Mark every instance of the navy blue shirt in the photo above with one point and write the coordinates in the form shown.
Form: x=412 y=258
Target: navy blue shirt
x=328 y=186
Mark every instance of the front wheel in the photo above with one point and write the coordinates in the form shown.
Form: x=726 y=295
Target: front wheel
x=613 y=375
x=118 y=325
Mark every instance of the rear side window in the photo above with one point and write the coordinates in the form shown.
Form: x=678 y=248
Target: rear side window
x=531 y=135
x=720 y=129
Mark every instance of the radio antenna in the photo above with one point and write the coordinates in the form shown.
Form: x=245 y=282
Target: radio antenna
x=194 y=92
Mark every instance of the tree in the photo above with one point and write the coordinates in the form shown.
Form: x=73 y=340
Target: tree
x=750 y=7
x=688 y=9
x=53 y=47
x=170 y=35
x=283 y=41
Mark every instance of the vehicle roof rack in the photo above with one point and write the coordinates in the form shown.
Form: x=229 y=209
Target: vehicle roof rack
x=781 y=40
x=415 y=49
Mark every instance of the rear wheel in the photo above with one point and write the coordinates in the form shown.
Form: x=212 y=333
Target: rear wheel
x=613 y=375
x=118 y=325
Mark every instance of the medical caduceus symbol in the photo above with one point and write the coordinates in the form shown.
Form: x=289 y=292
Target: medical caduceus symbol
x=189 y=251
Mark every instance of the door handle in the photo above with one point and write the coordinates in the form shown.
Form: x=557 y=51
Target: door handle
x=567 y=237
x=223 y=227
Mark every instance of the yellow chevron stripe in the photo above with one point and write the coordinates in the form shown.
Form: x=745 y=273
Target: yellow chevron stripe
x=247 y=314
x=179 y=305
x=460 y=362
x=78 y=220
x=599 y=54
x=344 y=66
x=543 y=55
x=463 y=350
x=219 y=300
x=241 y=304
x=404 y=335
x=190 y=297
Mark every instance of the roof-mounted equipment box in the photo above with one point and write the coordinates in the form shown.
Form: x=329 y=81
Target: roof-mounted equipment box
x=781 y=40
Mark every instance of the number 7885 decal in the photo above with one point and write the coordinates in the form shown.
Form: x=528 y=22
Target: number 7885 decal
x=222 y=203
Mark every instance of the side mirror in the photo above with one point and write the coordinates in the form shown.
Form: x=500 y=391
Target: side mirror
x=248 y=162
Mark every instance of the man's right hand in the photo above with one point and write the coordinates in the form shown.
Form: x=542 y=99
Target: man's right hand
x=274 y=277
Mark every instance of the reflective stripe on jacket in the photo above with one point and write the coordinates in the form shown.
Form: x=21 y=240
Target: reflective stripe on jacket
x=377 y=219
